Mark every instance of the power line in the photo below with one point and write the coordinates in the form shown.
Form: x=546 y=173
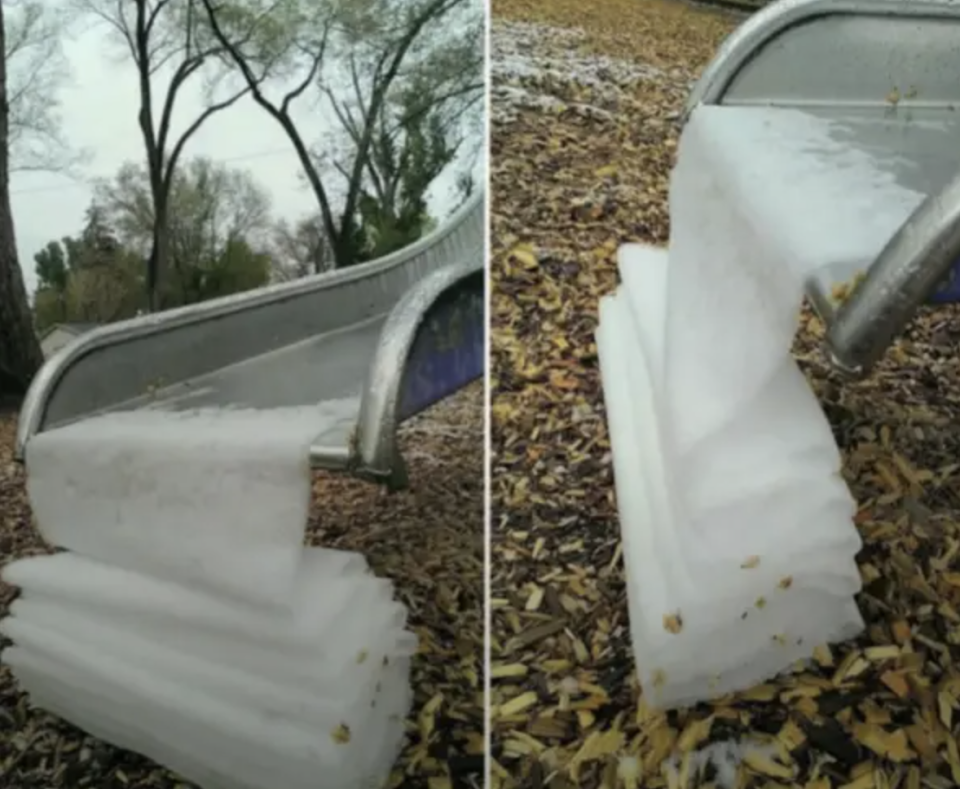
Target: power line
x=87 y=182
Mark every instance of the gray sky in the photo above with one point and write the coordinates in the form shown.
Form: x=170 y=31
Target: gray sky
x=99 y=113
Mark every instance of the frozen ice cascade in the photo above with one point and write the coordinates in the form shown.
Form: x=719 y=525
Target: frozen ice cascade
x=737 y=527
x=186 y=621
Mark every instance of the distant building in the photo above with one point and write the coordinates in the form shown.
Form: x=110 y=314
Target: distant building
x=60 y=334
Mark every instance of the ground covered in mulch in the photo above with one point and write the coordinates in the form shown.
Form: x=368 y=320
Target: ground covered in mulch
x=585 y=102
x=428 y=540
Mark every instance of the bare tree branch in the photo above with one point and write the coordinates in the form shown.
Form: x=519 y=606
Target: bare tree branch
x=36 y=70
x=160 y=33
x=281 y=113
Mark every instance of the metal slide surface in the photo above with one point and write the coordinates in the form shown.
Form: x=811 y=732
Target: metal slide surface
x=883 y=74
x=370 y=346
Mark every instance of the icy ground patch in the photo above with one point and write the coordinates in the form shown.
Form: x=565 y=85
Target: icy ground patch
x=547 y=68
x=719 y=762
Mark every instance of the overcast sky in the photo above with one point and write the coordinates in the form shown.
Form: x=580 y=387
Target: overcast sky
x=99 y=112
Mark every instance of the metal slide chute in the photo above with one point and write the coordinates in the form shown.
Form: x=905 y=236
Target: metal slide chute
x=333 y=339
x=431 y=346
x=884 y=73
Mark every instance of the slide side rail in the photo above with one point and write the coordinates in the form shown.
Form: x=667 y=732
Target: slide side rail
x=431 y=346
x=910 y=267
x=836 y=53
x=124 y=361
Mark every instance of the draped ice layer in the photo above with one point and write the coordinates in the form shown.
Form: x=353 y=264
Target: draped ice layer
x=162 y=493
x=738 y=533
x=161 y=632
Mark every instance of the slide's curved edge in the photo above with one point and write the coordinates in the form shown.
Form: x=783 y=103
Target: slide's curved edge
x=761 y=28
x=901 y=279
x=355 y=294
x=393 y=391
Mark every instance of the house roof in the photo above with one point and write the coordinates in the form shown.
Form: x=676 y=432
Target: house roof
x=76 y=329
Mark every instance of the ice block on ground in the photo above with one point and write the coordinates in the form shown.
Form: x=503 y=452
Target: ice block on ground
x=276 y=721
x=734 y=570
x=187 y=622
x=153 y=610
x=254 y=749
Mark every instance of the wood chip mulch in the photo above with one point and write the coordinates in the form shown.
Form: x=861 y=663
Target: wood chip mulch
x=581 y=154
x=428 y=540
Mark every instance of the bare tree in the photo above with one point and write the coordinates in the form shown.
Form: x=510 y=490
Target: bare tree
x=209 y=204
x=165 y=35
x=431 y=110
x=301 y=249
x=20 y=355
x=388 y=32
x=36 y=70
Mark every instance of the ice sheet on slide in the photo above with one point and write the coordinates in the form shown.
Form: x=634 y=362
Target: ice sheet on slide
x=327 y=370
x=856 y=176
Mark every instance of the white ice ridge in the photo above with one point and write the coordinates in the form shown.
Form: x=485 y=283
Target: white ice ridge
x=187 y=622
x=737 y=528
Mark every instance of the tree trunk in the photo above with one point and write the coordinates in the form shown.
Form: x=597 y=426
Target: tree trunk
x=20 y=355
x=157 y=265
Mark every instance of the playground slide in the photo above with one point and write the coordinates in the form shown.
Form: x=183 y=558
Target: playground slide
x=369 y=346
x=170 y=456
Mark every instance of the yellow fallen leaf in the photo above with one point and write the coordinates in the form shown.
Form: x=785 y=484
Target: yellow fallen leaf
x=672 y=623
x=502 y=671
x=884 y=652
x=596 y=747
x=908 y=471
x=535 y=599
x=888 y=745
x=791 y=735
x=896 y=682
x=953 y=579
x=518 y=704
x=763 y=764
x=661 y=745
x=852 y=665
x=525 y=255
x=865 y=781
x=953 y=759
x=945 y=710
x=760 y=693
x=823 y=655
x=901 y=631
x=694 y=734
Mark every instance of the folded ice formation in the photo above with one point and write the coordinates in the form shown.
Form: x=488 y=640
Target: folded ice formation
x=737 y=528
x=165 y=634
